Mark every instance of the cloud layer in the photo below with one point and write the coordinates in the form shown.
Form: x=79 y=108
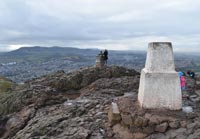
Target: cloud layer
x=121 y=24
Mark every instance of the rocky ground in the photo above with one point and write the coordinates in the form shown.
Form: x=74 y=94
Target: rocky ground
x=76 y=106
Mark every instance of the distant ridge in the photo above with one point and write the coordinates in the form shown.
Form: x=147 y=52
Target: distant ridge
x=50 y=51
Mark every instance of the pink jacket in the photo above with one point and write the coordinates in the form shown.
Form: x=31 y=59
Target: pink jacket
x=183 y=81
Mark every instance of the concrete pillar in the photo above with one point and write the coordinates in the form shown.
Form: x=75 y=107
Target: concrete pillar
x=100 y=61
x=159 y=82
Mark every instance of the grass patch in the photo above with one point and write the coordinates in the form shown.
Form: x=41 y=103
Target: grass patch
x=5 y=85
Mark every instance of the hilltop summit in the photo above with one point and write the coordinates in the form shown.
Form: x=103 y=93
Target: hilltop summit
x=75 y=106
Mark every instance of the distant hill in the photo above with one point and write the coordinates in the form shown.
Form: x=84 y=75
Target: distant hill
x=50 y=51
x=37 y=53
x=30 y=62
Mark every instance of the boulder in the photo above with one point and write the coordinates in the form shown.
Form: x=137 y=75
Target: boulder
x=161 y=128
x=126 y=119
x=174 y=124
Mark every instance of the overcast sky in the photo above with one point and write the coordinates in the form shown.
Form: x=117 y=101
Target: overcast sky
x=111 y=24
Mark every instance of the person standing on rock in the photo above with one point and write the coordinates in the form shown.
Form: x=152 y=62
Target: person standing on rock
x=105 y=53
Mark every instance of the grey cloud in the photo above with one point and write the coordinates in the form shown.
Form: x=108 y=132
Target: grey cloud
x=98 y=23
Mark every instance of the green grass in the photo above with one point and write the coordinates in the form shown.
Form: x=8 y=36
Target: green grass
x=5 y=85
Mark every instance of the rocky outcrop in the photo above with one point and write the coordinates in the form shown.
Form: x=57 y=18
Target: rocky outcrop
x=79 y=79
x=53 y=105
x=47 y=107
x=57 y=87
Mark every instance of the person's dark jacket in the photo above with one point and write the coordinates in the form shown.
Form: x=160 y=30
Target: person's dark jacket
x=105 y=53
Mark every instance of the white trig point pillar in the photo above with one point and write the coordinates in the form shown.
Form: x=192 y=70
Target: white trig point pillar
x=159 y=82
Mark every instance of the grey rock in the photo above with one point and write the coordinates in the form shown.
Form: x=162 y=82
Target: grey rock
x=187 y=109
x=162 y=127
